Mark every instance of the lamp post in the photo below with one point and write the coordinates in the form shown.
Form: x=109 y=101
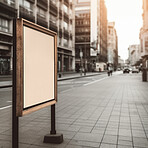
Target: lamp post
x=85 y=56
x=81 y=55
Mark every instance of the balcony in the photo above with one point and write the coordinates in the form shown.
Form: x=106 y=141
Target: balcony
x=27 y=14
x=53 y=26
x=43 y=4
x=9 y=2
x=83 y=39
x=41 y=21
x=7 y=10
x=82 y=33
x=5 y=38
x=53 y=9
x=66 y=34
x=32 y=1
x=66 y=17
x=66 y=2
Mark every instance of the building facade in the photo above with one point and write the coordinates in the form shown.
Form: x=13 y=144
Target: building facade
x=91 y=33
x=112 y=45
x=134 y=54
x=121 y=63
x=56 y=15
x=144 y=35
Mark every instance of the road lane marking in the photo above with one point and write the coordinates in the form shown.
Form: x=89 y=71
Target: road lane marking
x=95 y=81
x=5 y=107
x=9 y=101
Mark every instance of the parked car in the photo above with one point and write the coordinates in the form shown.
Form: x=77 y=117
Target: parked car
x=126 y=70
x=135 y=70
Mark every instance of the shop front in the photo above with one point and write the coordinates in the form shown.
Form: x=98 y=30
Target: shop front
x=4 y=65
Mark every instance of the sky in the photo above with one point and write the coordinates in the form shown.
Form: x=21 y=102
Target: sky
x=127 y=15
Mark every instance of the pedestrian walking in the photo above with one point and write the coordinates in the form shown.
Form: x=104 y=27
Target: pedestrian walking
x=108 y=71
x=111 y=71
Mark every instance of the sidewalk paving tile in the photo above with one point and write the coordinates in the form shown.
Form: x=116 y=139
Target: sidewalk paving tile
x=125 y=143
x=110 y=139
x=100 y=115
x=84 y=143
x=104 y=145
x=88 y=137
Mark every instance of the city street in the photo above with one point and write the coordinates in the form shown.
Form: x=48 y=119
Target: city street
x=91 y=112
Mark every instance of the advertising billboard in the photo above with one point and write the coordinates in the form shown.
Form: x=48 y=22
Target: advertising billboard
x=36 y=67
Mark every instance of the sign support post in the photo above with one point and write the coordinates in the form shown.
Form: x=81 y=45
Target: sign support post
x=53 y=137
x=26 y=41
x=15 y=129
x=53 y=130
x=15 y=119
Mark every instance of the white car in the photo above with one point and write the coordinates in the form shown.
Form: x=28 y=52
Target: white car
x=135 y=70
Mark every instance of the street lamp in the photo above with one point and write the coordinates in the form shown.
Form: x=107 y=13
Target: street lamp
x=81 y=55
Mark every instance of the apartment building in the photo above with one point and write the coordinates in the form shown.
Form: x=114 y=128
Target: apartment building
x=144 y=34
x=56 y=15
x=112 y=45
x=91 y=33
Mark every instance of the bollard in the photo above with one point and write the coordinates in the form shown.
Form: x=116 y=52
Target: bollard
x=144 y=75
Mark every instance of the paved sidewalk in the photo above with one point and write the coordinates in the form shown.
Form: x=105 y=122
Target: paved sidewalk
x=67 y=76
x=112 y=113
x=6 y=81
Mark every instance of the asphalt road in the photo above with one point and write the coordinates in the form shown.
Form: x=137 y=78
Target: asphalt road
x=63 y=86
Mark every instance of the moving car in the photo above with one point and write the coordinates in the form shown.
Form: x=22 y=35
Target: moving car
x=126 y=70
x=135 y=70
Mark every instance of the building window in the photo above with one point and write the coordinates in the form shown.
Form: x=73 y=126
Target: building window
x=65 y=42
x=65 y=25
x=54 y=1
x=10 y=2
x=4 y=25
x=41 y=12
x=65 y=8
x=53 y=18
x=26 y=4
x=70 y=43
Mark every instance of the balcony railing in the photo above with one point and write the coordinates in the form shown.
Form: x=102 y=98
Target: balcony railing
x=41 y=21
x=9 y=2
x=53 y=9
x=66 y=34
x=5 y=38
x=32 y=1
x=66 y=17
x=53 y=26
x=43 y=4
x=27 y=14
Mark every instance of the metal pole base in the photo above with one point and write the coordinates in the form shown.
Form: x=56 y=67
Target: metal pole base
x=53 y=138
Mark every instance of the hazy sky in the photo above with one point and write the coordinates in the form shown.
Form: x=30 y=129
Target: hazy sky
x=127 y=15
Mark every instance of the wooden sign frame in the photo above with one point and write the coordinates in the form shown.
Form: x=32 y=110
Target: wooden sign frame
x=19 y=72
